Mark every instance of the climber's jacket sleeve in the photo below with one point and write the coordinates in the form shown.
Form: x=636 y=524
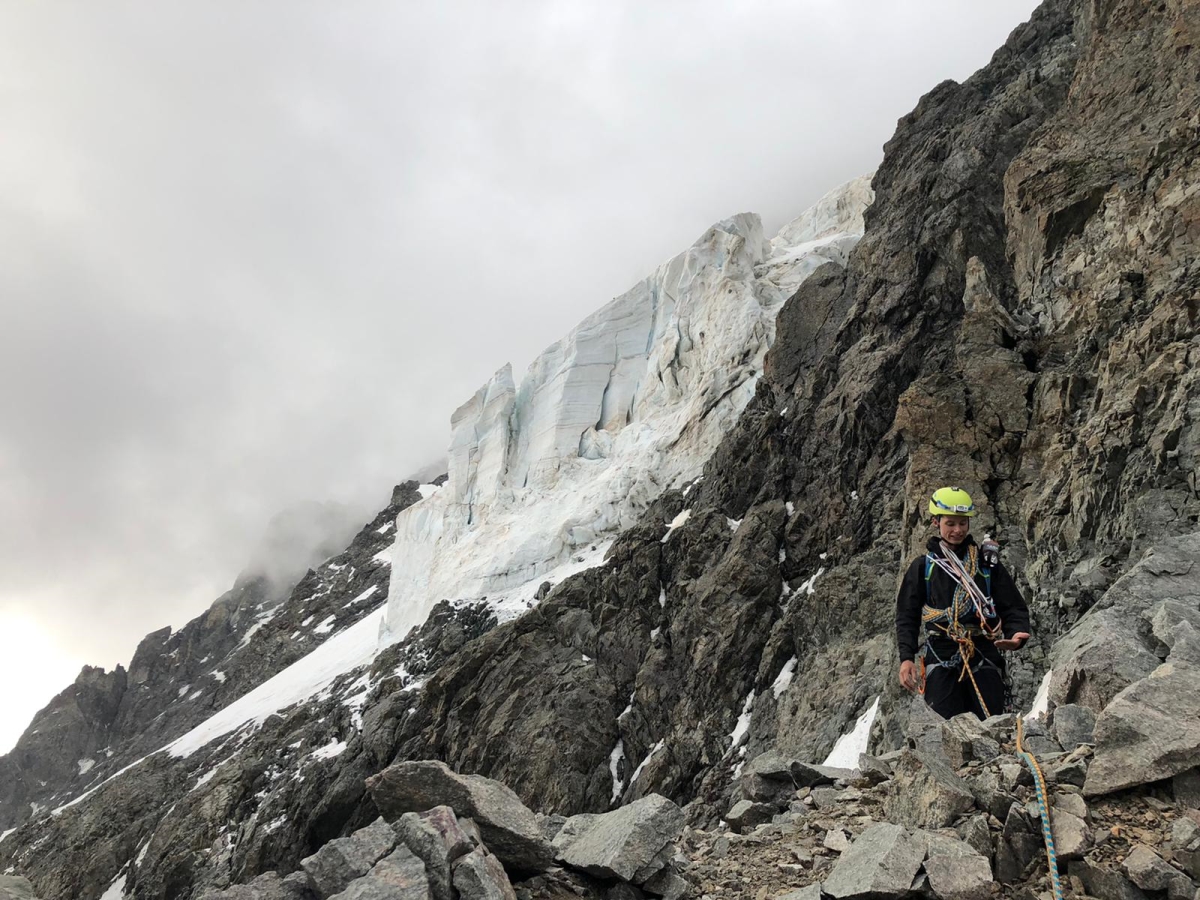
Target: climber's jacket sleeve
x=1010 y=605
x=908 y=609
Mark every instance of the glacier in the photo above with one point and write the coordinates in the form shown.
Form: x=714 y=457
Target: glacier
x=544 y=476
x=629 y=404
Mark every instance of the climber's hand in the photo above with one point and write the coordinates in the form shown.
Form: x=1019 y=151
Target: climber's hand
x=908 y=675
x=1014 y=642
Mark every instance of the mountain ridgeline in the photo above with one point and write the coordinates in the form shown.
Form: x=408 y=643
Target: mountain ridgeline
x=1019 y=317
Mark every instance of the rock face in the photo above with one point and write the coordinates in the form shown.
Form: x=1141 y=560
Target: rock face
x=1018 y=318
x=107 y=720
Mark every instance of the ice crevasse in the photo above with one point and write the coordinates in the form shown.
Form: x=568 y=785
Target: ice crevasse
x=542 y=475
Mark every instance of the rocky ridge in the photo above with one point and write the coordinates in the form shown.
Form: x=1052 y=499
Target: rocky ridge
x=107 y=720
x=1019 y=318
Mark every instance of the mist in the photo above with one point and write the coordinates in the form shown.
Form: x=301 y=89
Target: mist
x=254 y=255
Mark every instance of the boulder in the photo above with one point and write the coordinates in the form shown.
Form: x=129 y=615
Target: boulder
x=836 y=840
x=964 y=739
x=1147 y=869
x=435 y=838
x=959 y=878
x=268 y=886
x=989 y=792
x=670 y=885
x=1102 y=883
x=999 y=727
x=976 y=833
x=398 y=876
x=1072 y=803
x=925 y=792
x=14 y=887
x=1019 y=845
x=1073 y=725
x=809 y=775
x=478 y=875
x=745 y=814
x=810 y=892
x=872 y=769
x=1150 y=731
x=1186 y=787
x=767 y=777
x=342 y=860
x=1071 y=835
x=623 y=843
x=509 y=828
x=880 y=864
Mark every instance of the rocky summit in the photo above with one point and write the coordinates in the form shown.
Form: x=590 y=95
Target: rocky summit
x=677 y=678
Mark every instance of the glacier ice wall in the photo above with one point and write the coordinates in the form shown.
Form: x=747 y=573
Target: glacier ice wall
x=631 y=402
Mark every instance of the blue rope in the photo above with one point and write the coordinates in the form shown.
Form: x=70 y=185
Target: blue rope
x=1039 y=783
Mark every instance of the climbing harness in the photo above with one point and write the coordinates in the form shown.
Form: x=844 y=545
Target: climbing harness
x=1039 y=782
x=968 y=598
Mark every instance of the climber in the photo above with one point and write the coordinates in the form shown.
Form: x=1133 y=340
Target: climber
x=971 y=610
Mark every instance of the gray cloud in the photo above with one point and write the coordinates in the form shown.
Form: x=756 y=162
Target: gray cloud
x=256 y=253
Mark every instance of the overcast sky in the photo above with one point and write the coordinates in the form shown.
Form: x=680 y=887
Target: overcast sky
x=256 y=253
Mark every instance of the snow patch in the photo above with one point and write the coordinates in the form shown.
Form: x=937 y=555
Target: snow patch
x=733 y=523
x=363 y=596
x=220 y=676
x=1041 y=701
x=808 y=586
x=784 y=679
x=385 y=527
x=116 y=890
x=352 y=647
x=851 y=745
x=743 y=723
x=791 y=508
x=649 y=756
x=85 y=765
x=428 y=490
x=4 y=834
x=330 y=750
x=325 y=626
x=614 y=761
x=676 y=523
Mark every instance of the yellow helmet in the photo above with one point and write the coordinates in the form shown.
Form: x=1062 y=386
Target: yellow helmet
x=951 y=501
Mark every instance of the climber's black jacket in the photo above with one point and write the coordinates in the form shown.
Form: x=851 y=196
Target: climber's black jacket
x=1010 y=605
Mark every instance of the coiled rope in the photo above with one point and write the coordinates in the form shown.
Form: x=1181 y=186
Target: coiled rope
x=1039 y=783
x=967 y=598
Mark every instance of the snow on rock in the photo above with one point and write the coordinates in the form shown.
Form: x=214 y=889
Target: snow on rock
x=743 y=723
x=369 y=592
x=219 y=675
x=5 y=834
x=784 y=679
x=85 y=765
x=614 y=762
x=633 y=401
x=676 y=523
x=1041 y=701
x=325 y=625
x=116 y=890
x=346 y=650
x=851 y=745
x=649 y=756
x=330 y=750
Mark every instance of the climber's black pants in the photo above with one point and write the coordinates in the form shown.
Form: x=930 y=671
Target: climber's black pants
x=949 y=697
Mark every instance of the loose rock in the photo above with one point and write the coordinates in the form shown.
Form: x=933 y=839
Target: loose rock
x=881 y=863
x=509 y=828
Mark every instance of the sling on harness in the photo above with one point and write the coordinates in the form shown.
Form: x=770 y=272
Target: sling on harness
x=967 y=599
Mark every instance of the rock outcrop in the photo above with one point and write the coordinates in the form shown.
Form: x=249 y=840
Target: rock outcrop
x=1018 y=318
